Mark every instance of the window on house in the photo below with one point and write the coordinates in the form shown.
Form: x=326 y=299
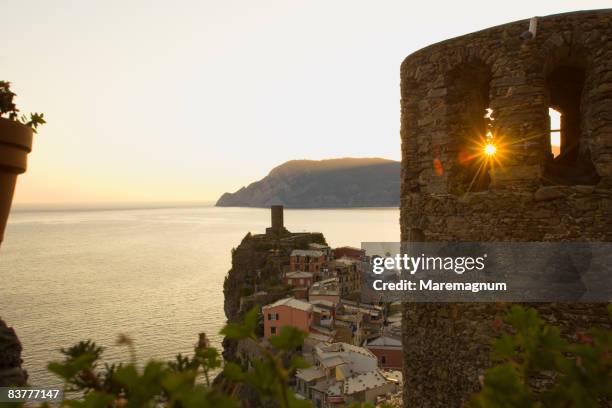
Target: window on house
x=569 y=159
x=272 y=330
x=383 y=359
x=277 y=316
x=269 y=316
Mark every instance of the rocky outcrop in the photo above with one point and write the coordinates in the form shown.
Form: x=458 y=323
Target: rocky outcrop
x=11 y=372
x=335 y=183
x=255 y=277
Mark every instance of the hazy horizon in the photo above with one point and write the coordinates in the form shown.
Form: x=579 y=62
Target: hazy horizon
x=150 y=101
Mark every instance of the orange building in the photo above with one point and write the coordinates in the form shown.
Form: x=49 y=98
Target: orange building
x=307 y=260
x=286 y=312
x=298 y=279
x=300 y=283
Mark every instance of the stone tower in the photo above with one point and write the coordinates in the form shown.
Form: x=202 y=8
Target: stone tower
x=530 y=192
x=277 y=218
x=278 y=224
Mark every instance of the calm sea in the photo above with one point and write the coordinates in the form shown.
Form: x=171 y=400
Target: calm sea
x=154 y=274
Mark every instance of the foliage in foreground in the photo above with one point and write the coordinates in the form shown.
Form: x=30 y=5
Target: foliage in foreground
x=570 y=374
x=175 y=384
x=577 y=374
x=179 y=383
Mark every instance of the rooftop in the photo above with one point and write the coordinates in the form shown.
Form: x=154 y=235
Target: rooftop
x=325 y=287
x=310 y=373
x=365 y=381
x=319 y=337
x=384 y=341
x=292 y=303
x=307 y=252
x=298 y=274
x=347 y=302
x=328 y=281
x=345 y=348
x=323 y=303
x=350 y=247
x=343 y=261
x=332 y=361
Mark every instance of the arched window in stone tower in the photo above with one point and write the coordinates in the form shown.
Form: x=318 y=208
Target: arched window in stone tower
x=569 y=160
x=468 y=101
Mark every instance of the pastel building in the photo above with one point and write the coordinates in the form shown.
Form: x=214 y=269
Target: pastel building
x=307 y=260
x=286 y=312
x=300 y=282
x=388 y=350
x=327 y=290
x=345 y=270
x=298 y=279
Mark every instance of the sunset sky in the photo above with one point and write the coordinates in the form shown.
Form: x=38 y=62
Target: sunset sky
x=184 y=100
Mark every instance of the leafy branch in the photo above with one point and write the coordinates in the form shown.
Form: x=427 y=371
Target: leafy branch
x=9 y=110
x=569 y=374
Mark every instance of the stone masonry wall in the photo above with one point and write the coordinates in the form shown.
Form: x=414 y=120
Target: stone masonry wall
x=444 y=86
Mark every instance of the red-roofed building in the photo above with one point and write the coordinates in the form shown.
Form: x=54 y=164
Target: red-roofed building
x=349 y=252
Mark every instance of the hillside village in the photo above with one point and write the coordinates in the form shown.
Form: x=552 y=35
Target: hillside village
x=354 y=348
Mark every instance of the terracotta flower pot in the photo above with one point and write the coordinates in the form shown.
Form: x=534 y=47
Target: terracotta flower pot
x=15 y=144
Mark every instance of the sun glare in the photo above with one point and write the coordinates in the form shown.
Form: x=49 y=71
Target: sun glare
x=490 y=149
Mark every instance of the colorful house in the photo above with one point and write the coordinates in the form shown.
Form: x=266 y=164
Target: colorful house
x=327 y=290
x=298 y=279
x=286 y=312
x=388 y=350
x=307 y=260
x=345 y=269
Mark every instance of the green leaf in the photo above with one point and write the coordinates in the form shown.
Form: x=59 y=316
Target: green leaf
x=69 y=369
x=289 y=339
x=298 y=363
x=240 y=331
x=503 y=348
x=92 y=400
x=233 y=372
x=503 y=388
x=208 y=357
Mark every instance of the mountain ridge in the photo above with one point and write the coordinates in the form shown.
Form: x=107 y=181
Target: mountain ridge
x=330 y=183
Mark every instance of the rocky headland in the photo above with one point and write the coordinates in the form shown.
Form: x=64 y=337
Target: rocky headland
x=334 y=183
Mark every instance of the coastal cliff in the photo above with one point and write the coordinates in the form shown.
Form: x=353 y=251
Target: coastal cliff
x=11 y=372
x=334 y=183
x=255 y=276
x=257 y=266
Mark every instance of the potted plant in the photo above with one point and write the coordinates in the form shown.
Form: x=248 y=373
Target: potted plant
x=15 y=144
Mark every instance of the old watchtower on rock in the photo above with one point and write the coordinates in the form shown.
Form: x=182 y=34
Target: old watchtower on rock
x=482 y=160
x=278 y=223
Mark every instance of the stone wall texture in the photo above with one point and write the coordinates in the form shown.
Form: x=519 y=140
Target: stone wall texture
x=521 y=196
